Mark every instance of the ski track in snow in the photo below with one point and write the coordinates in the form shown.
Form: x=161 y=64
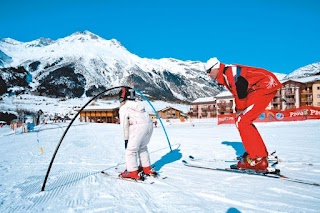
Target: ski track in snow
x=76 y=185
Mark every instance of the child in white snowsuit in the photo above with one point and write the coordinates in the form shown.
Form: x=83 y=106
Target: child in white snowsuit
x=137 y=128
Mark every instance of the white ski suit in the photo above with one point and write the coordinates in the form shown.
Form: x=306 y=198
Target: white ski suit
x=137 y=129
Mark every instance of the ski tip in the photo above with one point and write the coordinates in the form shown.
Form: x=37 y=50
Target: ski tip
x=183 y=161
x=191 y=157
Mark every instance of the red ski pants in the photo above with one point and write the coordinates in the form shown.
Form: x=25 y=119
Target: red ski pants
x=250 y=136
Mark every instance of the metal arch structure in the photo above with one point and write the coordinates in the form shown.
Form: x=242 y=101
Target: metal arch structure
x=74 y=118
x=65 y=132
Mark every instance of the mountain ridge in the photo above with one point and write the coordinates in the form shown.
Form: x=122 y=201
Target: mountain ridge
x=106 y=63
x=84 y=64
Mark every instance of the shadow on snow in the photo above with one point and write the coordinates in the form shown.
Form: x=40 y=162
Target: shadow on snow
x=170 y=157
x=237 y=146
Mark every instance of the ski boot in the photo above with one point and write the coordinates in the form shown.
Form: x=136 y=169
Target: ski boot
x=149 y=171
x=133 y=175
x=258 y=164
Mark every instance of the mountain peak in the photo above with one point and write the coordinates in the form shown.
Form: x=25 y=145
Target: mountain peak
x=40 y=42
x=45 y=41
x=11 y=41
x=85 y=34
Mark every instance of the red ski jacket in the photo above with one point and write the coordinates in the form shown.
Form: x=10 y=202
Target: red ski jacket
x=243 y=80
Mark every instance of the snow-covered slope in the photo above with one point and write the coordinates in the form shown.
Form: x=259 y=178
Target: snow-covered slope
x=86 y=58
x=4 y=59
x=76 y=185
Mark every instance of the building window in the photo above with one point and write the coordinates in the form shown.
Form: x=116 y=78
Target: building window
x=318 y=96
x=318 y=88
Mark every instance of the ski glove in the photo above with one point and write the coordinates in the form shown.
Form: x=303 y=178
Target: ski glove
x=125 y=144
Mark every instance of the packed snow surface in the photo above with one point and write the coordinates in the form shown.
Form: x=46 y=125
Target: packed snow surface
x=75 y=183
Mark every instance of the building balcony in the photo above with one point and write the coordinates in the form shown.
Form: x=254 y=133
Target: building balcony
x=306 y=92
x=212 y=110
x=290 y=107
x=225 y=104
x=278 y=94
x=225 y=110
x=276 y=108
x=221 y=104
x=289 y=94
x=277 y=101
x=221 y=110
x=290 y=100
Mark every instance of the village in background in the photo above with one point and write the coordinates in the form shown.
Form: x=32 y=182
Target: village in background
x=298 y=99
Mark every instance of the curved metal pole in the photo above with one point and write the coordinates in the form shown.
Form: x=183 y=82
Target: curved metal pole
x=65 y=132
x=165 y=132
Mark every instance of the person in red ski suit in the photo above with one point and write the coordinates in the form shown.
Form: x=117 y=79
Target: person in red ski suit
x=253 y=89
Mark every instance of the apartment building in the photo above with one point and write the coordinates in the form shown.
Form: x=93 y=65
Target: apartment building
x=225 y=103
x=316 y=94
x=210 y=107
x=203 y=108
x=298 y=92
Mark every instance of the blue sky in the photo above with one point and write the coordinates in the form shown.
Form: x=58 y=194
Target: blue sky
x=279 y=35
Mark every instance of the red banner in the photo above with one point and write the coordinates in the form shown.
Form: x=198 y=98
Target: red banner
x=298 y=114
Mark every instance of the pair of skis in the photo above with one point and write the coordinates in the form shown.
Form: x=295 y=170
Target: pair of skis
x=202 y=164
x=271 y=173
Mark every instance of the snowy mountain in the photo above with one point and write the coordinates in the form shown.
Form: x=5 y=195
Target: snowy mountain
x=4 y=59
x=309 y=70
x=84 y=64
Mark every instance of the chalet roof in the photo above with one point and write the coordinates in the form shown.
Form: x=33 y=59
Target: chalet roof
x=204 y=100
x=166 y=108
x=224 y=94
x=303 y=80
x=99 y=108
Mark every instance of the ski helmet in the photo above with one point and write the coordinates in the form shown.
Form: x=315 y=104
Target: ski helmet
x=127 y=93
x=212 y=63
